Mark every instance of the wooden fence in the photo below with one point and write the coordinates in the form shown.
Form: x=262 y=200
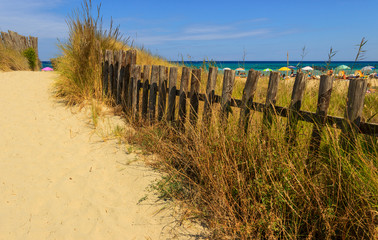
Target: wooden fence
x=18 y=42
x=141 y=93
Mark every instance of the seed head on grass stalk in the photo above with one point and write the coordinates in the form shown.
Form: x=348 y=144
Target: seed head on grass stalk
x=81 y=55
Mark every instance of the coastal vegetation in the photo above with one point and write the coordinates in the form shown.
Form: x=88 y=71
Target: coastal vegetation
x=12 y=60
x=31 y=56
x=242 y=186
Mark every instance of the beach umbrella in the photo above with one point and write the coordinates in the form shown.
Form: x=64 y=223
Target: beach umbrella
x=267 y=70
x=367 y=68
x=343 y=67
x=307 y=68
x=240 y=69
x=226 y=69
x=47 y=69
x=284 y=69
x=291 y=67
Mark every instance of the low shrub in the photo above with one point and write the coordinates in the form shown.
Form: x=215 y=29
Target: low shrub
x=31 y=56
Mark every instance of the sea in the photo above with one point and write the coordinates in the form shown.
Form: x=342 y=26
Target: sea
x=274 y=65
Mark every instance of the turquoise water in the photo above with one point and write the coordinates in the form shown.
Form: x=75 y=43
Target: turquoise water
x=275 y=65
x=46 y=64
x=261 y=65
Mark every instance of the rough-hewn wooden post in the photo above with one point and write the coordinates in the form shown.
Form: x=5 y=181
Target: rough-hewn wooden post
x=121 y=63
x=271 y=98
x=111 y=73
x=295 y=106
x=324 y=97
x=115 y=74
x=146 y=85
x=194 y=97
x=135 y=93
x=182 y=98
x=130 y=59
x=172 y=94
x=210 y=93
x=153 y=90
x=105 y=73
x=247 y=99
x=162 y=101
x=228 y=86
x=353 y=113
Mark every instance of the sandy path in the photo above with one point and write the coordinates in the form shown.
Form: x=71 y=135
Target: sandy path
x=60 y=181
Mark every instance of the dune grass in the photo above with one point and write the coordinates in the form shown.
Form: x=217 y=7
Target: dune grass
x=12 y=60
x=254 y=187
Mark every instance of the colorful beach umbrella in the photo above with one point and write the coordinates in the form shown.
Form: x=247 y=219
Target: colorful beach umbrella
x=240 y=69
x=343 y=67
x=291 y=67
x=307 y=68
x=47 y=69
x=367 y=68
x=267 y=70
x=284 y=69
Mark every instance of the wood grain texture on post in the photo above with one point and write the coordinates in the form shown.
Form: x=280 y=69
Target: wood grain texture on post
x=111 y=73
x=153 y=91
x=115 y=74
x=131 y=57
x=135 y=95
x=210 y=93
x=183 y=95
x=247 y=99
x=324 y=98
x=353 y=113
x=228 y=86
x=105 y=73
x=162 y=100
x=194 y=98
x=146 y=84
x=120 y=69
x=126 y=79
x=295 y=106
x=172 y=94
x=271 y=98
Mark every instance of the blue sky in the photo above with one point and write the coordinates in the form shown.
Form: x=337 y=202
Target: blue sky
x=218 y=30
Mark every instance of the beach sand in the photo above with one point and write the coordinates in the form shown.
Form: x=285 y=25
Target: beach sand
x=60 y=180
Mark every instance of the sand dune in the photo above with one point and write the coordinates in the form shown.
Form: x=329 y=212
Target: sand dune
x=59 y=180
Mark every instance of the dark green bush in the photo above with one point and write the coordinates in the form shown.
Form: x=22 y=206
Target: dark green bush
x=31 y=56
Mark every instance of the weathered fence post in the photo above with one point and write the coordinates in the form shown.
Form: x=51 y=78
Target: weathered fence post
x=162 y=91
x=120 y=69
x=116 y=64
x=105 y=73
x=228 y=86
x=194 y=96
x=270 y=101
x=146 y=84
x=172 y=94
x=247 y=99
x=111 y=74
x=295 y=106
x=324 y=97
x=182 y=98
x=353 y=113
x=153 y=90
x=130 y=59
x=135 y=93
x=210 y=93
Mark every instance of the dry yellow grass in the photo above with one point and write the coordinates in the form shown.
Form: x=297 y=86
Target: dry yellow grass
x=11 y=60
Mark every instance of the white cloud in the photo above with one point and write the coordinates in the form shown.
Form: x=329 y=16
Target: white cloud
x=32 y=18
x=151 y=40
